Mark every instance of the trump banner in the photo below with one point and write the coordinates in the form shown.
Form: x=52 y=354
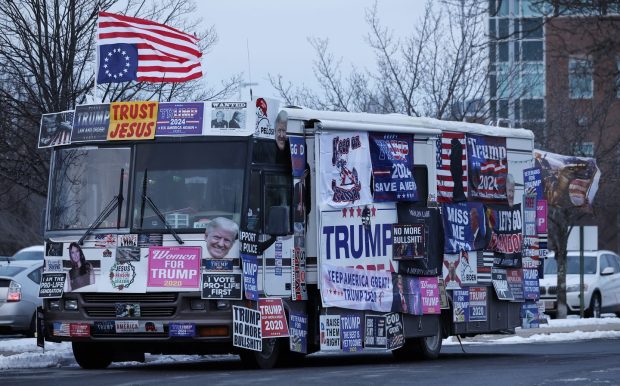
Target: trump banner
x=487 y=159
x=392 y=165
x=568 y=181
x=464 y=226
x=356 y=289
x=506 y=236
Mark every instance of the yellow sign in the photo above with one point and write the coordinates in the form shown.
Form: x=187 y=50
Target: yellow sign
x=132 y=121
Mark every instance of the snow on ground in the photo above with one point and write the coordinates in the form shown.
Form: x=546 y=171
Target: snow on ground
x=22 y=353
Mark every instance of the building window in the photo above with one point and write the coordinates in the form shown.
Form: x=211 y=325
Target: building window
x=531 y=28
x=503 y=7
x=503 y=109
x=532 y=51
x=584 y=149
x=533 y=80
x=532 y=109
x=580 y=82
x=503 y=51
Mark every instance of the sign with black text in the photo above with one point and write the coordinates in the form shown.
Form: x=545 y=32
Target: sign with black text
x=247 y=329
x=220 y=285
x=52 y=285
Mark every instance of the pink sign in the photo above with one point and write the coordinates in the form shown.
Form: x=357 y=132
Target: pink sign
x=429 y=287
x=541 y=216
x=174 y=267
x=273 y=318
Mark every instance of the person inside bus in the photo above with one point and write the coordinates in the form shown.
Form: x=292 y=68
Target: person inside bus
x=220 y=235
x=81 y=273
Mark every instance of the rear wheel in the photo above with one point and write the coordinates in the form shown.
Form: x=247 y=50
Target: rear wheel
x=32 y=329
x=595 y=306
x=265 y=359
x=91 y=355
x=420 y=348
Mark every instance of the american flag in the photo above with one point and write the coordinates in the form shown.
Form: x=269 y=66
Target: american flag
x=445 y=185
x=485 y=264
x=138 y=49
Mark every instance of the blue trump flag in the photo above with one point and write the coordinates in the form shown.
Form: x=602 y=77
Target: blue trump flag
x=117 y=63
x=464 y=224
x=392 y=166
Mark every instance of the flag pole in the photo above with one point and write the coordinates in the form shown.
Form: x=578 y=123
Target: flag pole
x=96 y=98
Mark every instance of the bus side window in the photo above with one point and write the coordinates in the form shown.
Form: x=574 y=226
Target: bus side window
x=255 y=210
x=277 y=192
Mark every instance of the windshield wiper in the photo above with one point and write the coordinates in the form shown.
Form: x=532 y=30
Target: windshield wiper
x=117 y=201
x=146 y=199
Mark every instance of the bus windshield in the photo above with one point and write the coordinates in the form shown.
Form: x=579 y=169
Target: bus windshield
x=189 y=183
x=84 y=181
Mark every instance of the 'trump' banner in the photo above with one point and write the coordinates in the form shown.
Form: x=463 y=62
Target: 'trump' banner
x=392 y=165
x=345 y=175
x=487 y=159
x=451 y=167
x=356 y=289
x=568 y=181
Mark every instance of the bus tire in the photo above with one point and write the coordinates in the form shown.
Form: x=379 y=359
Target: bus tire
x=266 y=359
x=91 y=356
x=428 y=347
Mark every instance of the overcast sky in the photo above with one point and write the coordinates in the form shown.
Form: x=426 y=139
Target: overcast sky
x=276 y=32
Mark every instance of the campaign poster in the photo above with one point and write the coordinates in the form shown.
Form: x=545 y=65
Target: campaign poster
x=395 y=330
x=221 y=285
x=487 y=159
x=515 y=283
x=452 y=173
x=52 y=285
x=345 y=179
x=187 y=330
x=531 y=286
x=530 y=236
x=443 y=294
x=407 y=297
x=460 y=269
x=329 y=332
x=427 y=260
x=298 y=275
x=298 y=155
x=247 y=329
x=273 y=318
x=532 y=180
x=179 y=119
x=344 y=234
x=356 y=289
x=529 y=315
x=174 y=267
x=56 y=129
x=500 y=283
x=568 y=181
x=298 y=332
x=409 y=241
x=506 y=235
x=351 y=333
x=123 y=276
x=460 y=302
x=132 y=121
x=250 y=276
x=375 y=334
x=541 y=216
x=90 y=123
x=264 y=119
x=429 y=289
x=478 y=304
x=464 y=226
x=485 y=264
x=392 y=166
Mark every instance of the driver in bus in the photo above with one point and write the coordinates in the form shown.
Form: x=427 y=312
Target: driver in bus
x=220 y=235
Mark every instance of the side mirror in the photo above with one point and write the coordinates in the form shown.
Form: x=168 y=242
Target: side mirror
x=607 y=271
x=279 y=221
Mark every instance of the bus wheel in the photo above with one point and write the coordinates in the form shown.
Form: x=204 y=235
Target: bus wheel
x=91 y=356
x=265 y=359
x=428 y=347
